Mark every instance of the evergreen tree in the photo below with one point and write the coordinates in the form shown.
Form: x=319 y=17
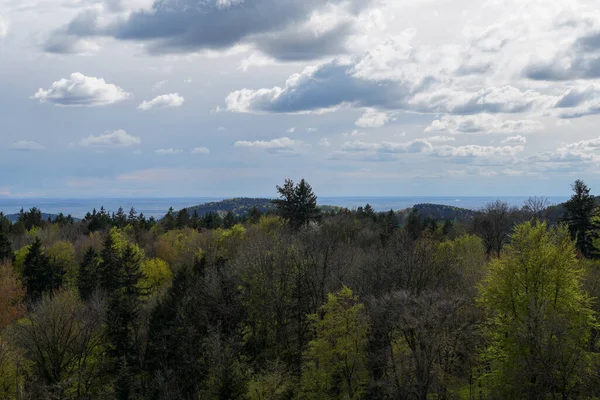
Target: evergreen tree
x=31 y=219
x=579 y=216
x=183 y=218
x=229 y=220
x=123 y=323
x=120 y=219
x=169 y=221
x=38 y=275
x=132 y=216
x=195 y=220
x=5 y=248
x=297 y=204
x=87 y=277
x=414 y=226
x=447 y=228
x=108 y=269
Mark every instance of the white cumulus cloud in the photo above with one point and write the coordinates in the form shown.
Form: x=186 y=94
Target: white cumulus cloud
x=200 y=150
x=119 y=138
x=282 y=145
x=482 y=124
x=515 y=140
x=81 y=90
x=172 y=100
x=373 y=119
x=168 y=152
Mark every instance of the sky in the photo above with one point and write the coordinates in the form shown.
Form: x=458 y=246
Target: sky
x=222 y=98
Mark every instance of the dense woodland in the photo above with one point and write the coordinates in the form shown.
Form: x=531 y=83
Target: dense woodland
x=296 y=303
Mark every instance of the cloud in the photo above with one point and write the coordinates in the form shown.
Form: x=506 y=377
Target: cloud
x=68 y=44
x=159 y=85
x=482 y=124
x=579 y=101
x=4 y=26
x=168 y=152
x=414 y=146
x=291 y=130
x=81 y=90
x=478 y=151
x=282 y=145
x=441 y=139
x=354 y=133
x=172 y=100
x=285 y=30
x=311 y=129
x=515 y=140
x=119 y=138
x=324 y=142
x=27 y=145
x=580 y=61
x=318 y=89
x=200 y=150
x=373 y=119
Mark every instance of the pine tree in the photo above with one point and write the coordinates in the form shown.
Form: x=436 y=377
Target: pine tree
x=297 y=204
x=122 y=322
x=183 y=218
x=5 y=248
x=87 y=277
x=38 y=274
x=579 y=216
x=108 y=270
x=414 y=226
x=229 y=220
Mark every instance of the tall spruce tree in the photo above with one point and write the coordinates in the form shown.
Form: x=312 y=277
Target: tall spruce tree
x=5 y=247
x=38 y=274
x=579 y=216
x=87 y=277
x=297 y=204
x=123 y=323
x=108 y=270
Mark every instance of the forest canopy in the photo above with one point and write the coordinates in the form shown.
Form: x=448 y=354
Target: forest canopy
x=293 y=301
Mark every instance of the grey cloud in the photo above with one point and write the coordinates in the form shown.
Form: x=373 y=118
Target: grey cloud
x=578 y=102
x=326 y=87
x=302 y=45
x=580 y=61
x=276 y=27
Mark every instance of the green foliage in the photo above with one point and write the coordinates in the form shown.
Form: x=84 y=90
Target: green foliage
x=5 y=247
x=539 y=318
x=297 y=204
x=87 y=277
x=579 y=215
x=336 y=361
x=157 y=275
x=62 y=257
x=39 y=274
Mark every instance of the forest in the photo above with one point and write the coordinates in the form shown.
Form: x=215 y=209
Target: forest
x=296 y=302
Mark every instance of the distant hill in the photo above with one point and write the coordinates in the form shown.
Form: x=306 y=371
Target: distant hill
x=242 y=206
x=442 y=212
x=239 y=206
x=15 y=217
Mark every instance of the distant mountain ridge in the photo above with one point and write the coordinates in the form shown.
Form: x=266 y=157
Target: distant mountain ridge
x=15 y=217
x=238 y=206
x=442 y=212
x=243 y=205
